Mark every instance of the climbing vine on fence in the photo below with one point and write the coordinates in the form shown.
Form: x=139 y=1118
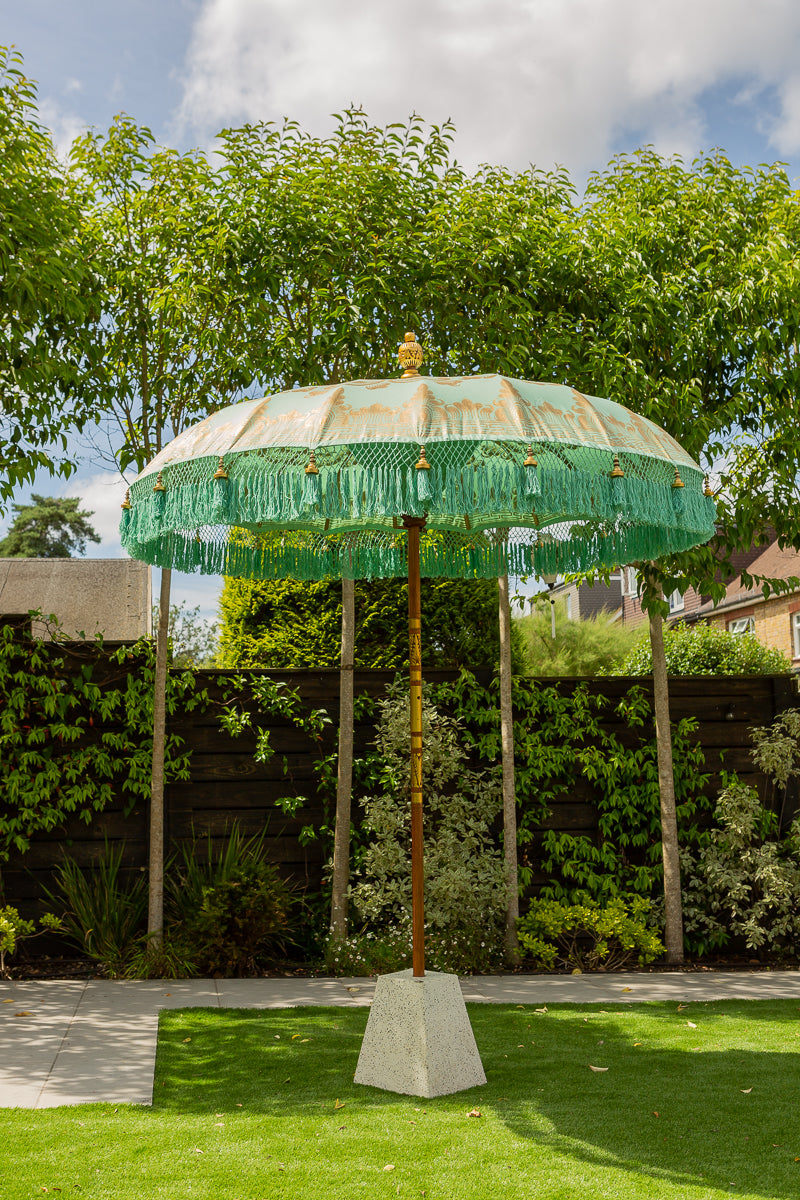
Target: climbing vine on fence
x=559 y=740
x=76 y=727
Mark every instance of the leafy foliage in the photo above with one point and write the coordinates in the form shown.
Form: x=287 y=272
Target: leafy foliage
x=14 y=929
x=169 y=337
x=231 y=910
x=464 y=873
x=193 y=639
x=104 y=912
x=558 y=742
x=75 y=726
x=588 y=935
x=745 y=879
x=48 y=527
x=707 y=650
x=585 y=647
x=47 y=292
x=285 y=624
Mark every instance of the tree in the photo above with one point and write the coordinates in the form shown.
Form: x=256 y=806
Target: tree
x=678 y=311
x=49 y=527
x=193 y=638
x=170 y=339
x=47 y=293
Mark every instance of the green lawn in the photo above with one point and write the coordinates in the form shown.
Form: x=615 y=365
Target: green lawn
x=698 y=1102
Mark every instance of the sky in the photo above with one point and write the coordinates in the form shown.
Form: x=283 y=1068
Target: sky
x=548 y=82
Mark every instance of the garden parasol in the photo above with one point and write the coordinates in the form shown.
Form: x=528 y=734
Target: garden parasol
x=459 y=477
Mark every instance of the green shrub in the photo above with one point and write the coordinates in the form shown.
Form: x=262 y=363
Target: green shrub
x=588 y=935
x=13 y=928
x=745 y=881
x=103 y=917
x=232 y=910
x=706 y=650
x=462 y=952
x=464 y=871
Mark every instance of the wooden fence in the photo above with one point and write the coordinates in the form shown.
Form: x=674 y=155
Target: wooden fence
x=227 y=784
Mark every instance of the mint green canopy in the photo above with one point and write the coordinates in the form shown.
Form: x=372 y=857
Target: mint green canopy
x=511 y=477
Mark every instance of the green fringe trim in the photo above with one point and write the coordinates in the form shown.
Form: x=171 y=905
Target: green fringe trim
x=345 y=516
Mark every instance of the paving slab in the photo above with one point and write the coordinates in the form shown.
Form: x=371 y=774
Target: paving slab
x=82 y=1042
x=630 y=986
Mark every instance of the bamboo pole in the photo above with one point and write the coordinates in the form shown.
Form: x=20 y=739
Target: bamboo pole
x=414 y=525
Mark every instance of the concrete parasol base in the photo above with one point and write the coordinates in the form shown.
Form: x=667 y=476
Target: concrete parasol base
x=418 y=1039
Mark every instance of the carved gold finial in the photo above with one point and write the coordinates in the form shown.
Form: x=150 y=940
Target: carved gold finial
x=530 y=461
x=159 y=485
x=617 y=471
x=677 y=481
x=126 y=503
x=220 y=472
x=423 y=464
x=411 y=356
x=312 y=468
x=708 y=490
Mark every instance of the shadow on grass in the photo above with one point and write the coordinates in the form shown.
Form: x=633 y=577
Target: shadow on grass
x=706 y=1098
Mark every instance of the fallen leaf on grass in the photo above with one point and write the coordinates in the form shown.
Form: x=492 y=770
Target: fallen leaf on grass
x=691 y=1024
x=218 y=1125
x=338 y=1104
x=474 y=1112
x=197 y=1150
x=389 y=1167
x=746 y=1091
x=295 y=1035
x=681 y=1007
x=187 y=1039
x=277 y=1037
x=541 y=1010
x=637 y=1043
x=655 y=1114
x=591 y=1068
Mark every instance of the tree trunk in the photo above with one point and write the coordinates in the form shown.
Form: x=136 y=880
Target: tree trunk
x=673 y=910
x=344 y=781
x=509 y=787
x=155 y=915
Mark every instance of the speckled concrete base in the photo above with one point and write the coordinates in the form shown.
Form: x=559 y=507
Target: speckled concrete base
x=418 y=1039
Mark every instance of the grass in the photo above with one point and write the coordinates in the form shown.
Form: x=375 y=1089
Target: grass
x=695 y=1102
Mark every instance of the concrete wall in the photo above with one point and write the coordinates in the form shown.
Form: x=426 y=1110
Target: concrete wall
x=111 y=596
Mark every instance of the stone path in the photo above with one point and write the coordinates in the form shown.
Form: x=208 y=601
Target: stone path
x=65 y=1042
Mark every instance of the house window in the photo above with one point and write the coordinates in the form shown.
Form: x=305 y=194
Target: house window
x=742 y=625
x=631 y=584
x=796 y=634
x=568 y=599
x=676 y=602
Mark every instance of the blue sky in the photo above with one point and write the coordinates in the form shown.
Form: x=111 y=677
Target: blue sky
x=545 y=81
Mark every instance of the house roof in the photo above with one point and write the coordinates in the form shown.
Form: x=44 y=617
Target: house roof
x=771 y=562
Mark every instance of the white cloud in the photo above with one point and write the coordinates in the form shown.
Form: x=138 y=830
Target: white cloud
x=64 y=125
x=101 y=495
x=542 y=80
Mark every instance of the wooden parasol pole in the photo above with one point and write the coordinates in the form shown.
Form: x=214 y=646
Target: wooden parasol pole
x=414 y=525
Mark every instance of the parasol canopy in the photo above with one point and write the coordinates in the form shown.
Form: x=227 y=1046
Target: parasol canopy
x=467 y=477
x=510 y=476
